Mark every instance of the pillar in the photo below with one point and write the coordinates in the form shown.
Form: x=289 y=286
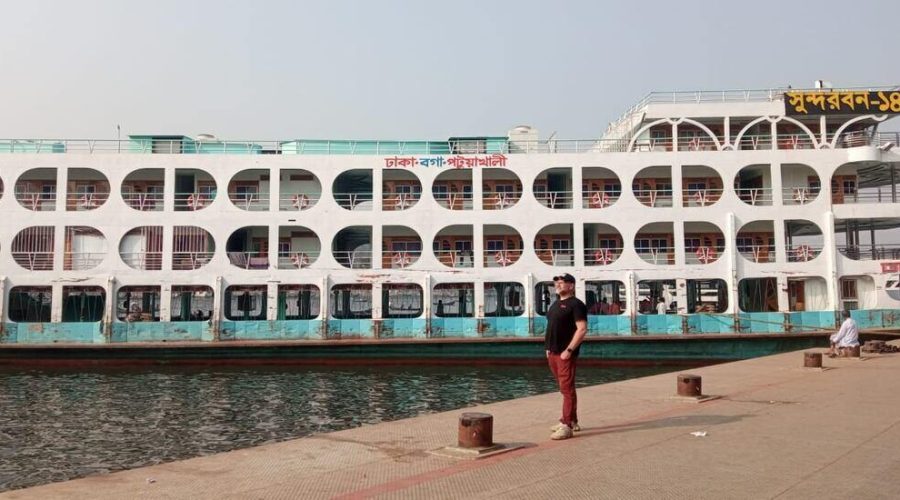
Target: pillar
x=271 y=300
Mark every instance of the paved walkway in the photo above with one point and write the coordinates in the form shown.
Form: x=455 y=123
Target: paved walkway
x=778 y=431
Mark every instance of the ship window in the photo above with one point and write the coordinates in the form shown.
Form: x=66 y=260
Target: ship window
x=744 y=244
x=402 y=300
x=495 y=245
x=758 y=295
x=453 y=300
x=707 y=296
x=48 y=192
x=691 y=244
x=605 y=298
x=30 y=304
x=503 y=299
x=83 y=304
x=245 y=303
x=351 y=301
x=650 y=291
x=137 y=303
x=298 y=302
x=544 y=295
x=191 y=303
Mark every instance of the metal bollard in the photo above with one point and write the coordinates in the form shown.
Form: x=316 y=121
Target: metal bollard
x=689 y=385
x=476 y=430
x=812 y=360
x=850 y=352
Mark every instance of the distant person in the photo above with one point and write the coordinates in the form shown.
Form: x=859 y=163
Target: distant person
x=661 y=306
x=846 y=338
x=440 y=309
x=604 y=306
x=615 y=308
x=645 y=307
x=566 y=328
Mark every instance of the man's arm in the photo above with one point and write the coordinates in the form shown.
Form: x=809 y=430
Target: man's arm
x=580 y=332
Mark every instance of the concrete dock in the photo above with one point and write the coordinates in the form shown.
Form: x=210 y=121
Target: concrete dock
x=777 y=430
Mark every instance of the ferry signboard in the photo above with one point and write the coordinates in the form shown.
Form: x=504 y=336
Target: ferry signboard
x=841 y=102
x=456 y=161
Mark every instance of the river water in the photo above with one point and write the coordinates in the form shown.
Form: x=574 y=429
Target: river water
x=61 y=424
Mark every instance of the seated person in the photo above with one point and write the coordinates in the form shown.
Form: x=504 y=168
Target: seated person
x=846 y=338
x=615 y=308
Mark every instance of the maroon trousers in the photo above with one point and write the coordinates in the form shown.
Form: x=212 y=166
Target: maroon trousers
x=564 y=372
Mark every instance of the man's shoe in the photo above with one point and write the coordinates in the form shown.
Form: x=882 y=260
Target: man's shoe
x=564 y=432
x=575 y=427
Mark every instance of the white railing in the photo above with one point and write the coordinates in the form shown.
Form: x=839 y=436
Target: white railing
x=555 y=199
x=455 y=201
x=455 y=258
x=34 y=261
x=755 y=196
x=355 y=259
x=354 y=201
x=879 y=194
x=702 y=255
x=799 y=195
x=557 y=257
x=248 y=260
x=601 y=256
x=145 y=261
x=252 y=202
x=39 y=202
x=661 y=256
x=296 y=259
x=802 y=253
x=86 y=201
x=145 y=202
x=758 y=253
x=187 y=261
x=399 y=259
x=700 y=197
x=80 y=261
x=398 y=201
x=661 y=198
x=501 y=258
x=191 y=201
x=889 y=251
x=499 y=200
x=699 y=143
x=599 y=199
x=297 y=201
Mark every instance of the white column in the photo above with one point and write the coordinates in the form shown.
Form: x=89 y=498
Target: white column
x=62 y=188
x=677 y=184
x=477 y=188
x=681 y=296
x=726 y=131
x=578 y=243
x=829 y=252
x=774 y=132
x=377 y=189
x=577 y=194
x=2 y=302
x=426 y=302
x=165 y=303
x=529 y=299
x=56 y=303
x=678 y=241
x=377 y=250
x=168 y=235
x=777 y=191
x=169 y=189
x=631 y=297
x=271 y=300
x=780 y=241
x=731 y=259
x=324 y=299
x=377 y=302
x=275 y=189
x=273 y=235
x=218 y=301
x=478 y=249
x=479 y=298
x=109 y=311
x=59 y=247
x=783 y=297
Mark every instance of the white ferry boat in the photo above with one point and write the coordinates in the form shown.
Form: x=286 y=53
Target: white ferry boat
x=696 y=214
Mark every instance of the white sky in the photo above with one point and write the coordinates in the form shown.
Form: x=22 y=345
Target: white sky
x=408 y=69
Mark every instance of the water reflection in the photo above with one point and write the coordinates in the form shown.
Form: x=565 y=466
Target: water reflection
x=58 y=424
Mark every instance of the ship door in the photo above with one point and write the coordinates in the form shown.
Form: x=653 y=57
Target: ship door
x=796 y=295
x=184 y=184
x=556 y=182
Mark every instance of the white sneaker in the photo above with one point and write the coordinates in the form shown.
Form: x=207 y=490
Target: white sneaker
x=575 y=427
x=563 y=432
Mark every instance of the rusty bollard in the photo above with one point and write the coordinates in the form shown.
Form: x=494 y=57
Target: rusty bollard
x=850 y=352
x=812 y=360
x=689 y=386
x=873 y=346
x=476 y=430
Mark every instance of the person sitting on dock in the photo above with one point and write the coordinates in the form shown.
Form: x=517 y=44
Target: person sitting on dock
x=846 y=338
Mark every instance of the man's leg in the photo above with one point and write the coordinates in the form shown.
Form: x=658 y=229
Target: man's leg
x=554 y=361
x=566 y=378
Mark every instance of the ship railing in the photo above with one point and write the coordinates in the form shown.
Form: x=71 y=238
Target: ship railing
x=876 y=194
x=455 y=258
x=188 y=261
x=557 y=257
x=248 y=260
x=354 y=201
x=399 y=259
x=454 y=201
x=86 y=201
x=297 y=201
x=501 y=258
x=251 y=202
x=601 y=256
x=34 y=261
x=354 y=259
x=654 y=145
x=758 y=253
x=802 y=252
x=145 y=202
x=699 y=143
x=704 y=254
x=37 y=201
x=192 y=201
x=555 y=199
x=499 y=200
x=599 y=199
x=799 y=195
x=701 y=197
x=296 y=259
x=399 y=201
x=654 y=197
x=145 y=261
x=709 y=96
x=890 y=251
x=661 y=256
x=795 y=141
x=80 y=261
x=755 y=196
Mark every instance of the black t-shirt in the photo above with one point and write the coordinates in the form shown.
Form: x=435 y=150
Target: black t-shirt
x=561 y=318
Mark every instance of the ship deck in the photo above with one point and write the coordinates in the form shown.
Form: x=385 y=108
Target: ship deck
x=776 y=430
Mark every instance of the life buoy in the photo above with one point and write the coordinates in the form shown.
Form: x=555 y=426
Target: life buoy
x=300 y=201
x=502 y=259
x=300 y=260
x=803 y=253
x=706 y=254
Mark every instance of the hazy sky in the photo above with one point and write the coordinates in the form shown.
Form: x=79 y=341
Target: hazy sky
x=408 y=69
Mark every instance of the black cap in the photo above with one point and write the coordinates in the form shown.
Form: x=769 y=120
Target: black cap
x=568 y=278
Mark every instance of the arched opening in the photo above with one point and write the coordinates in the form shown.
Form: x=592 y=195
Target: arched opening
x=192 y=248
x=603 y=244
x=453 y=189
x=452 y=246
x=36 y=189
x=753 y=185
x=352 y=189
x=85 y=248
x=401 y=190
x=195 y=189
x=553 y=188
x=401 y=247
x=248 y=247
x=298 y=247
x=143 y=189
x=554 y=245
x=755 y=241
x=600 y=187
x=804 y=240
x=249 y=189
x=652 y=186
x=701 y=186
x=32 y=248
x=352 y=247
x=800 y=184
x=299 y=190
x=703 y=242
x=86 y=189
x=502 y=245
x=501 y=188
x=141 y=248
x=654 y=243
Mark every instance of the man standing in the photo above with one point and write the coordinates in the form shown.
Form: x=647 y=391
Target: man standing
x=846 y=337
x=566 y=328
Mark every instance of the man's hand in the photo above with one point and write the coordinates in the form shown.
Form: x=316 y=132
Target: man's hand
x=548 y=353
x=565 y=355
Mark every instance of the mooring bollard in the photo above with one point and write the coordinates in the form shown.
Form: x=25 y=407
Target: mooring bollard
x=476 y=430
x=849 y=352
x=812 y=360
x=873 y=346
x=689 y=385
